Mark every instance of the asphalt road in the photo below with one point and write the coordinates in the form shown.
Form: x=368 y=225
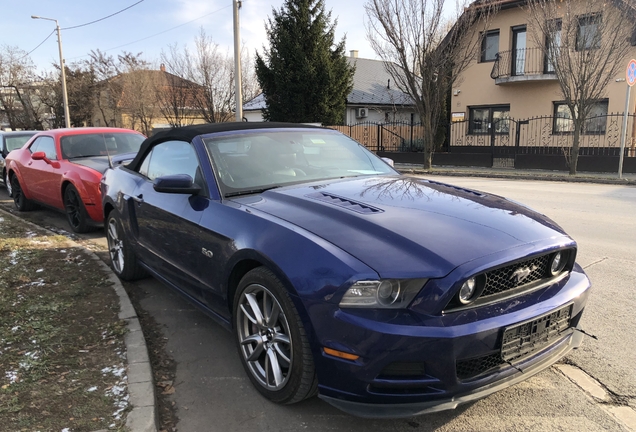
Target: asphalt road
x=213 y=393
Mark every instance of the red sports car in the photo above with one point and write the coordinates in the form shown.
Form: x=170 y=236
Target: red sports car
x=62 y=168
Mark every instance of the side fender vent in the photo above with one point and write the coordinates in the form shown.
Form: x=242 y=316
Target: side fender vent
x=346 y=203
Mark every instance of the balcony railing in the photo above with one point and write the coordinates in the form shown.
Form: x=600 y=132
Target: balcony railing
x=521 y=65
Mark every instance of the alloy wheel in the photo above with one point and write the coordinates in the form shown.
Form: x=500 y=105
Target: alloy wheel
x=115 y=246
x=18 y=195
x=264 y=337
x=73 y=208
x=7 y=183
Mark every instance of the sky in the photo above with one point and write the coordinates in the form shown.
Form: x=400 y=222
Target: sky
x=149 y=27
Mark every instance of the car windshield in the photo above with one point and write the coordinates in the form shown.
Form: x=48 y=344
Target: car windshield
x=100 y=144
x=16 y=141
x=254 y=161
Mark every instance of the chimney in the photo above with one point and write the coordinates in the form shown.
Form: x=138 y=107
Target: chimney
x=162 y=68
x=353 y=53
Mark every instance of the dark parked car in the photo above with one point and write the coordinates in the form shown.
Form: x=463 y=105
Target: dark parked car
x=61 y=168
x=10 y=141
x=384 y=294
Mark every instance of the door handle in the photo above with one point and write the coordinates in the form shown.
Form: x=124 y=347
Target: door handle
x=139 y=198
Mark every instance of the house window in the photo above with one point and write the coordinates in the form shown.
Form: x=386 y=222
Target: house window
x=552 y=44
x=490 y=119
x=489 y=45
x=588 y=35
x=594 y=125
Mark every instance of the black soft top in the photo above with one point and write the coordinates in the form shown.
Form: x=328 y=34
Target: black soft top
x=187 y=133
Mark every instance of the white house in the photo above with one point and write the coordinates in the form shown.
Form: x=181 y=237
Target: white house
x=374 y=97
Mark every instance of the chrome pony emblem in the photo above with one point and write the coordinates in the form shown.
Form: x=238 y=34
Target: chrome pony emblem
x=522 y=273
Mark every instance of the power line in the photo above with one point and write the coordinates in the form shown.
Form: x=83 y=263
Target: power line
x=39 y=45
x=161 y=32
x=102 y=19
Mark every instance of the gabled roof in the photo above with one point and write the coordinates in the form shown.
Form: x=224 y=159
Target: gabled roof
x=372 y=85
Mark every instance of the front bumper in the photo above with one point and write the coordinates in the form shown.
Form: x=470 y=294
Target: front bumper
x=401 y=410
x=442 y=345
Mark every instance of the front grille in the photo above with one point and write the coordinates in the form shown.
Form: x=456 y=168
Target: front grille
x=476 y=366
x=506 y=278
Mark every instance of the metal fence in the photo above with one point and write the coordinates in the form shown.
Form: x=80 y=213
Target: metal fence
x=386 y=137
x=546 y=135
x=520 y=62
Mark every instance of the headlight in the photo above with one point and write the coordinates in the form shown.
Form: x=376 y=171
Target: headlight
x=470 y=290
x=558 y=262
x=384 y=294
x=467 y=291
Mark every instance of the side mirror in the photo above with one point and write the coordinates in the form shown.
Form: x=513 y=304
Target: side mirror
x=388 y=161
x=178 y=184
x=40 y=155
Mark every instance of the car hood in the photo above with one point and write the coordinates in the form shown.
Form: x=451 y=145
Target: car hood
x=407 y=227
x=102 y=163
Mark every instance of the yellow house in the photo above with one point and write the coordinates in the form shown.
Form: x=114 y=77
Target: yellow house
x=147 y=100
x=508 y=101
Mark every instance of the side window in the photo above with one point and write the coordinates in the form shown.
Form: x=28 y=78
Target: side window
x=169 y=158
x=45 y=144
x=143 y=169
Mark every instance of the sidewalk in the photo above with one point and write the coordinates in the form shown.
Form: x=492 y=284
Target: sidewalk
x=511 y=173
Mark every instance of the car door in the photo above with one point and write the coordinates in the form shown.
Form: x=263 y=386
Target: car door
x=42 y=178
x=168 y=223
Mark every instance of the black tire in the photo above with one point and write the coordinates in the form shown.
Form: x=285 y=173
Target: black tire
x=286 y=349
x=7 y=183
x=75 y=211
x=123 y=259
x=21 y=202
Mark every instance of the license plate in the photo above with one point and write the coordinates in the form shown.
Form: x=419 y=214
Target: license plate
x=531 y=336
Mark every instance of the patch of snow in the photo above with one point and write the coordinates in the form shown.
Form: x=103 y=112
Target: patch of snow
x=15 y=329
x=12 y=376
x=33 y=355
x=39 y=270
x=30 y=234
x=13 y=257
x=92 y=389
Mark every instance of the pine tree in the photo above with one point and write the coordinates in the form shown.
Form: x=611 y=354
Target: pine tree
x=304 y=75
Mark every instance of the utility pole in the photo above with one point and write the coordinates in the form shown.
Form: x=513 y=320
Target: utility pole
x=67 y=116
x=238 y=92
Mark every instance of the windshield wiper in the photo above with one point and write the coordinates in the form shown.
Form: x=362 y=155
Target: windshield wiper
x=250 y=191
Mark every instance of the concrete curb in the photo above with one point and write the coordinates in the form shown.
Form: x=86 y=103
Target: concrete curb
x=516 y=175
x=141 y=389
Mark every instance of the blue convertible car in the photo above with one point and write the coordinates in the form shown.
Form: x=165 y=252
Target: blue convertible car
x=386 y=295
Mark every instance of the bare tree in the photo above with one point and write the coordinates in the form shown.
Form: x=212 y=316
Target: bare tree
x=213 y=73
x=18 y=98
x=107 y=91
x=585 y=44
x=125 y=87
x=425 y=53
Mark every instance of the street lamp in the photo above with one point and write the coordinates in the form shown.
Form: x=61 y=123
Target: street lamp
x=238 y=96
x=67 y=117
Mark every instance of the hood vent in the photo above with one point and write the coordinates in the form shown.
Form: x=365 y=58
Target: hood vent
x=346 y=203
x=457 y=188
